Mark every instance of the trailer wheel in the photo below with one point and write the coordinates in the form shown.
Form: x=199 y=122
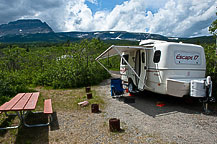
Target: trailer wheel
x=131 y=87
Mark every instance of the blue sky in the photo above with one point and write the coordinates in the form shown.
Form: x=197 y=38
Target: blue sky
x=109 y=5
x=178 y=18
x=104 y=5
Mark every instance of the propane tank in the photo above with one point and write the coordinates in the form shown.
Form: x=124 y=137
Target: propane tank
x=208 y=84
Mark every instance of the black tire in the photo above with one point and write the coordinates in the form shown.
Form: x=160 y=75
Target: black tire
x=131 y=87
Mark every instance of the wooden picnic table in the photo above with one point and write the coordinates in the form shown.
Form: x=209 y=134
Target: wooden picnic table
x=24 y=103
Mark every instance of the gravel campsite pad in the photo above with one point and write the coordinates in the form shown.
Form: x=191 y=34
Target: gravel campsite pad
x=141 y=122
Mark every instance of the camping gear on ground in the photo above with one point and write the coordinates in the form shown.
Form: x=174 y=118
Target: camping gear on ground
x=116 y=87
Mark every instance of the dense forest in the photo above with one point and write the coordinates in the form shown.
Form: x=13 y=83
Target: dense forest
x=64 y=65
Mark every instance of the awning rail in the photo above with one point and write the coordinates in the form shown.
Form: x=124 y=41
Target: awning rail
x=117 y=50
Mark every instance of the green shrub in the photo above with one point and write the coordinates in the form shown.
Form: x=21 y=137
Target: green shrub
x=211 y=65
x=58 y=66
x=11 y=84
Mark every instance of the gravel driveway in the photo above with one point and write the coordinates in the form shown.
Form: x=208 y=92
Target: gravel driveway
x=141 y=122
x=176 y=122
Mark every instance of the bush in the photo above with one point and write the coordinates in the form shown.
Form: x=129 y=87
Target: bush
x=211 y=65
x=73 y=66
x=10 y=85
x=67 y=66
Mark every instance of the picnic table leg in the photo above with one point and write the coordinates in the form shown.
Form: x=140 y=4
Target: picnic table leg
x=13 y=127
x=36 y=125
x=10 y=114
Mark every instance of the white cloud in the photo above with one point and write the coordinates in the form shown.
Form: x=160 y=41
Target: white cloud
x=184 y=18
x=172 y=18
x=93 y=2
x=167 y=17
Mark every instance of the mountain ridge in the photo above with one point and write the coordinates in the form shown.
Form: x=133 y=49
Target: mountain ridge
x=34 y=30
x=24 y=26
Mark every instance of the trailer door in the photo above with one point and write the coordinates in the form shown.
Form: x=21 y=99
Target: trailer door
x=142 y=70
x=124 y=67
x=137 y=66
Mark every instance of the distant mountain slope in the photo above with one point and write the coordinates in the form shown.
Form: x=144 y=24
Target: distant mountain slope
x=114 y=35
x=74 y=36
x=25 y=26
x=33 y=30
x=111 y=37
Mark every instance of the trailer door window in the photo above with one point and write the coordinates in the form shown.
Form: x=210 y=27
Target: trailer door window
x=126 y=58
x=157 y=55
x=143 y=57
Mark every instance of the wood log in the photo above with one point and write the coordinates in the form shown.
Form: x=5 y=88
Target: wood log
x=88 y=89
x=114 y=125
x=89 y=96
x=94 y=108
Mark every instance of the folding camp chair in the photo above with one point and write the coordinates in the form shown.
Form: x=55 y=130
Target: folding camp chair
x=116 y=87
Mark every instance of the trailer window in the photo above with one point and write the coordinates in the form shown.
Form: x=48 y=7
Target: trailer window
x=157 y=55
x=126 y=58
x=143 y=57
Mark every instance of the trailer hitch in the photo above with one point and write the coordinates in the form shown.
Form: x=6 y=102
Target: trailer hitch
x=208 y=99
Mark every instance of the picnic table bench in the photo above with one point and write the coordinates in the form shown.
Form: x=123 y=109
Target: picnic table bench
x=24 y=103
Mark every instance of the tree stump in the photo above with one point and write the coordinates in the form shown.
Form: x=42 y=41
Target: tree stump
x=87 y=89
x=94 y=108
x=114 y=125
x=89 y=96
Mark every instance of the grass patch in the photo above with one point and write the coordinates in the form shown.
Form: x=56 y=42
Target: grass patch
x=83 y=97
x=63 y=100
x=68 y=99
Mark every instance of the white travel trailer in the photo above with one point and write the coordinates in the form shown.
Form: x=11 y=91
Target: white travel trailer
x=175 y=69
